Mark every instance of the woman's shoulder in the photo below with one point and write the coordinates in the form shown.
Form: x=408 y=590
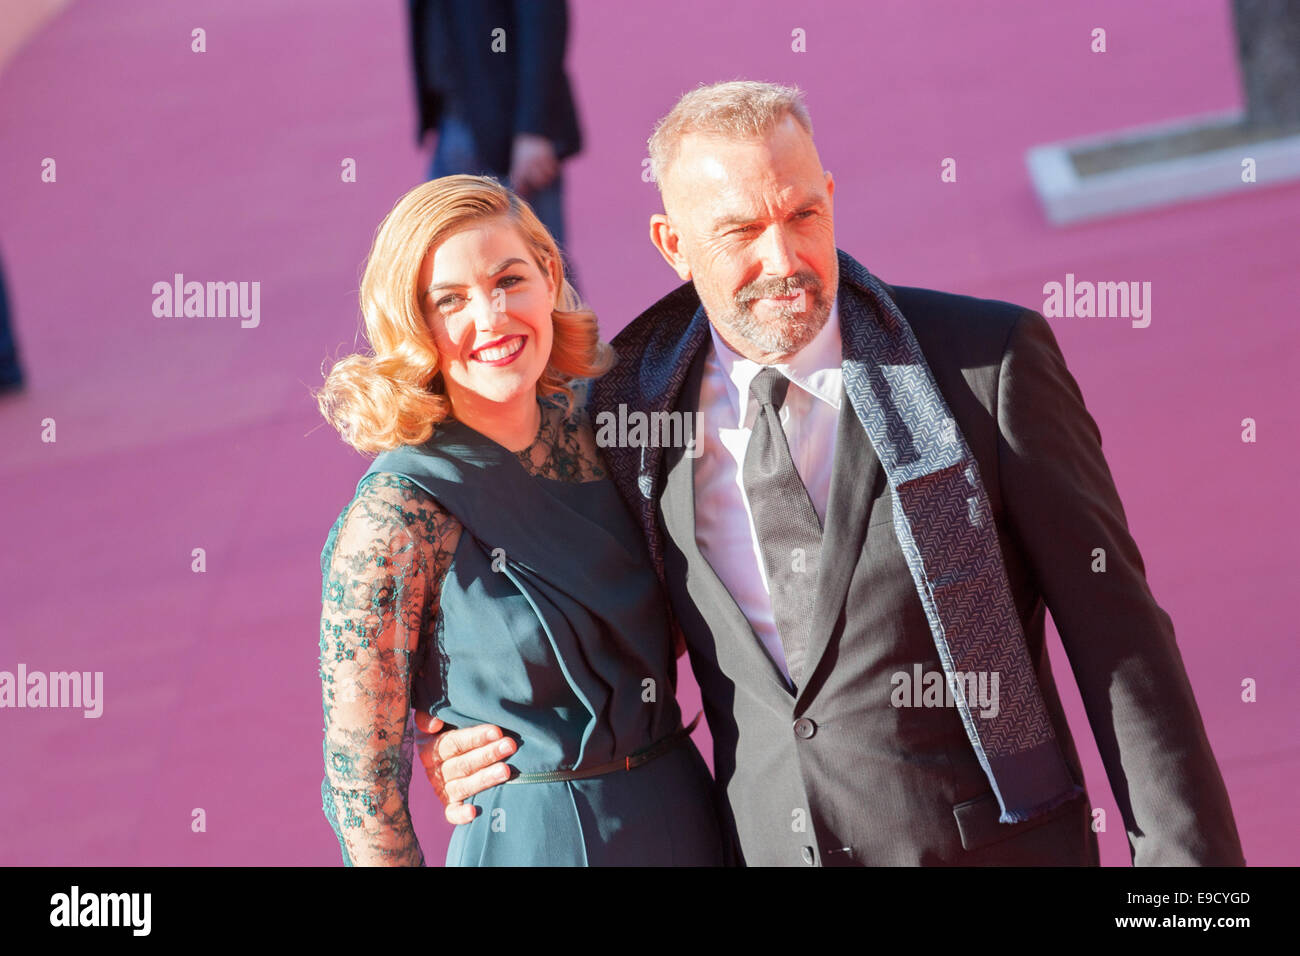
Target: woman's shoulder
x=396 y=493
x=390 y=513
x=396 y=499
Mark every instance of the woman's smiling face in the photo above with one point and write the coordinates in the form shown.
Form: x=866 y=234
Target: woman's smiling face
x=489 y=308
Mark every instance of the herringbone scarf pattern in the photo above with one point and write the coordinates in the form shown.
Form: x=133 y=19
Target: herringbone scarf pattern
x=944 y=525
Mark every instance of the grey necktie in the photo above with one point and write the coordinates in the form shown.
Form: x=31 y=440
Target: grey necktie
x=789 y=531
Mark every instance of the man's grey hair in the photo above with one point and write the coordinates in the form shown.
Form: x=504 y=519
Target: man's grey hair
x=737 y=109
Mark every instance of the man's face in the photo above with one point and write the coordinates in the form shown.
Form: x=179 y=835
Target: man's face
x=750 y=221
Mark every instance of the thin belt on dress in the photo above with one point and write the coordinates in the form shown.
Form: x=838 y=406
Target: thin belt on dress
x=644 y=755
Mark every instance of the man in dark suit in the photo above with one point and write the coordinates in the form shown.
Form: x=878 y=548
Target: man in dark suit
x=490 y=79
x=825 y=750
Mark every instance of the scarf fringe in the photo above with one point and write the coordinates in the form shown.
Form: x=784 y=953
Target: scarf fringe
x=1020 y=816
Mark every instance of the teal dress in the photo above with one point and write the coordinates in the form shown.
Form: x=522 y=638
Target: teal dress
x=552 y=625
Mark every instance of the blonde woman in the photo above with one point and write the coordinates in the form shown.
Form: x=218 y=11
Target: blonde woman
x=486 y=570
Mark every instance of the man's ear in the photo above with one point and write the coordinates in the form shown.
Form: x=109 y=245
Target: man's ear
x=668 y=241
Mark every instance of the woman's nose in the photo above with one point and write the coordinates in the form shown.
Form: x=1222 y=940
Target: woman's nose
x=491 y=313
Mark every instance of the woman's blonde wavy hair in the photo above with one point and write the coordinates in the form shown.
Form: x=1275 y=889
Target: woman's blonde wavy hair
x=393 y=395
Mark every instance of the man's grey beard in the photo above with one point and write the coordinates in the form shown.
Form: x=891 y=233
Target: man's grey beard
x=790 y=329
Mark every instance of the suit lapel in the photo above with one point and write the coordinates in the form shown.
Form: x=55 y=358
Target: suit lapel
x=669 y=373
x=679 y=518
x=855 y=482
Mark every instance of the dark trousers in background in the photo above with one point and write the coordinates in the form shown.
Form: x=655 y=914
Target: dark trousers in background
x=456 y=153
x=11 y=374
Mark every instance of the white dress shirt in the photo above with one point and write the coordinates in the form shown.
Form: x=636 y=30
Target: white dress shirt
x=809 y=416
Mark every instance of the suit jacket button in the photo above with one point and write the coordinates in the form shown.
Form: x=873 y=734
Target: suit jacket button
x=808 y=856
x=805 y=728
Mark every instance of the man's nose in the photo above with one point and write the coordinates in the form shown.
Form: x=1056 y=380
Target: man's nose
x=776 y=252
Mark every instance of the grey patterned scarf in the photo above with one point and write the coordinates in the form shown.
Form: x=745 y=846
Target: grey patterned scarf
x=944 y=524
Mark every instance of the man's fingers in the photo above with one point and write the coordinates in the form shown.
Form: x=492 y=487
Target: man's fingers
x=427 y=723
x=432 y=765
x=454 y=768
x=460 y=763
x=458 y=813
x=466 y=787
x=464 y=776
x=452 y=743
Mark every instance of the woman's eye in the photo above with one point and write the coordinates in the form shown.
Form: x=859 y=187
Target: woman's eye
x=504 y=281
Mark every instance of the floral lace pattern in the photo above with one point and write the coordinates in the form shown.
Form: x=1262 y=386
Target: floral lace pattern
x=565 y=448
x=382 y=569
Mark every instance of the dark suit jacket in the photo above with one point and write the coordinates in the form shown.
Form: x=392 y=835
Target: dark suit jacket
x=836 y=774
x=521 y=90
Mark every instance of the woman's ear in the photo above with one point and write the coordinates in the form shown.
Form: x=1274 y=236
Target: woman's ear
x=554 y=279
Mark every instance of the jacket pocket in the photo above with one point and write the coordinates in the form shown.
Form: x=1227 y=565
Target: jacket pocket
x=977 y=820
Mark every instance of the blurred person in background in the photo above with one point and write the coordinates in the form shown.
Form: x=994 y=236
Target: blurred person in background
x=490 y=81
x=11 y=373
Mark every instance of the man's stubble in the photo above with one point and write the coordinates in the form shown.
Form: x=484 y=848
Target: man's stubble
x=791 y=327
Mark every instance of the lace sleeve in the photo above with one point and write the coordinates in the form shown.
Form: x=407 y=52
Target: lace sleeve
x=375 y=595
